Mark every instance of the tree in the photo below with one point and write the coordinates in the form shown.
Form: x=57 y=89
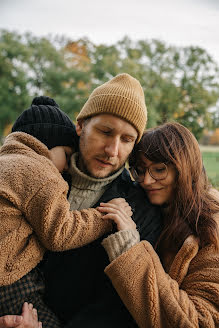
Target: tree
x=72 y=85
x=180 y=84
x=62 y=72
x=14 y=94
x=32 y=66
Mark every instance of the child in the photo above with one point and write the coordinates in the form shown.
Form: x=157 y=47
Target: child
x=34 y=210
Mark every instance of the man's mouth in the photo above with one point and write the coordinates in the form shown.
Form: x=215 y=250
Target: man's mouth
x=104 y=163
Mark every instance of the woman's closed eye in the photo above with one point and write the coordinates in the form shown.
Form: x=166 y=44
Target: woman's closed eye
x=159 y=169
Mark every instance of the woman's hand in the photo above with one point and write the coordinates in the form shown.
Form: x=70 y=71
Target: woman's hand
x=120 y=212
x=28 y=319
x=122 y=204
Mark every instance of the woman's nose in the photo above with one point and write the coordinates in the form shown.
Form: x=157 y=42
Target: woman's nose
x=148 y=179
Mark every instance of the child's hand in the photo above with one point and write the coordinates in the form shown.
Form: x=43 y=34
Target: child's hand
x=8 y=321
x=119 y=212
x=28 y=319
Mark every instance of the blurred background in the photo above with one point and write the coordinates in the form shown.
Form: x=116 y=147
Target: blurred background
x=64 y=49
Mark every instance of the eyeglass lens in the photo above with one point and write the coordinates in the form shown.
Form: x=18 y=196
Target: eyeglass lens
x=158 y=171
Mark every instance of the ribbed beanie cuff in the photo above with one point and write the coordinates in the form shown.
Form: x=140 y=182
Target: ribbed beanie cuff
x=122 y=96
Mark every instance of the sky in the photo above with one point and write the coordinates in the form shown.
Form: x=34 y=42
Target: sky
x=177 y=22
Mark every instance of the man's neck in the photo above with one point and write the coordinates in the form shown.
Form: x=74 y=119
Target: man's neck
x=86 y=190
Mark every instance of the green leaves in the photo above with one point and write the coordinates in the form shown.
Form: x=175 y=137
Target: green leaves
x=180 y=84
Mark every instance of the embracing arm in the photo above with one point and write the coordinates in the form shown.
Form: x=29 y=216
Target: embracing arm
x=58 y=228
x=187 y=297
x=156 y=300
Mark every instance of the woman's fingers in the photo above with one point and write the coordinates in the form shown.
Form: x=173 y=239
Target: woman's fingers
x=110 y=208
x=122 y=223
x=118 y=201
x=122 y=204
x=122 y=220
x=125 y=208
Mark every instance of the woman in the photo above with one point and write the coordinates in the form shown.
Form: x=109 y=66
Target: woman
x=178 y=284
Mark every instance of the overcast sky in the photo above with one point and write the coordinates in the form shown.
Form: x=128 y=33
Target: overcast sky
x=177 y=22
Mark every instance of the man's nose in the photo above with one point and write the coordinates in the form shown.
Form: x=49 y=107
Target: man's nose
x=148 y=179
x=112 y=147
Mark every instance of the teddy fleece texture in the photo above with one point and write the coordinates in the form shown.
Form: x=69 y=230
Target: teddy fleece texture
x=34 y=210
x=184 y=296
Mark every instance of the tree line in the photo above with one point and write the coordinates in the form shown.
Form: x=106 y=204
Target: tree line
x=180 y=83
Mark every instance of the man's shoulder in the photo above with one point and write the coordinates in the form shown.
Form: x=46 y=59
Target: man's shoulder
x=124 y=181
x=146 y=216
x=129 y=189
x=123 y=186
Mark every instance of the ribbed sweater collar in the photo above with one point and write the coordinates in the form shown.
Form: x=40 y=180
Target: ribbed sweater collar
x=81 y=180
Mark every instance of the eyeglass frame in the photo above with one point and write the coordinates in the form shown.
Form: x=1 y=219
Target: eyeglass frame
x=147 y=168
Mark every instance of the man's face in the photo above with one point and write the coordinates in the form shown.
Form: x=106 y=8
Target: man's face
x=105 y=144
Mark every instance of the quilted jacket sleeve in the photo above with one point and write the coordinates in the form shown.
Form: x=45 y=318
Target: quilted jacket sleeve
x=58 y=228
x=187 y=297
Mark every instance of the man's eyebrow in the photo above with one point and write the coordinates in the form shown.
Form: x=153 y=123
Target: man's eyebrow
x=130 y=135
x=111 y=127
x=105 y=125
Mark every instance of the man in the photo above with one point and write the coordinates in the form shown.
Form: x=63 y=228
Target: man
x=110 y=123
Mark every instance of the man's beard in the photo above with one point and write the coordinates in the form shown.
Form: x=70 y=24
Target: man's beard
x=81 y=164
x=84 y=166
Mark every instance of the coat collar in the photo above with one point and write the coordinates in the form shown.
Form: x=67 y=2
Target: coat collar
x=180 y=265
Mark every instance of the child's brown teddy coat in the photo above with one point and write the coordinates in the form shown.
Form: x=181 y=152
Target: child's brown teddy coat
x=34 y=211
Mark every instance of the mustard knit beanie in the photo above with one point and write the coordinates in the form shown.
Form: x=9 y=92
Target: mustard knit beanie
x=122 y=96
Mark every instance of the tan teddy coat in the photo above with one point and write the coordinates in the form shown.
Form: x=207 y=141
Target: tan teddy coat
x=34 y=211
x=186 y=296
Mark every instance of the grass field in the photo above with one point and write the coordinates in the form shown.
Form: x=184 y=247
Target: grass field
x=211 y=163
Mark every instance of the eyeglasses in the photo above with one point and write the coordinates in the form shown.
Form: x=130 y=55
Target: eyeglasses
x=158 y=171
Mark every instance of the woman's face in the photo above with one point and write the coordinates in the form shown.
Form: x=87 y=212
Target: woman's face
x=159 y=192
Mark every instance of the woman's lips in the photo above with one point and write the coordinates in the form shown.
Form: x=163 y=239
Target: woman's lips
x=153 y=191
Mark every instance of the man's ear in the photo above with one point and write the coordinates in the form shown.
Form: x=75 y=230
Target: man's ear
x=79 y=126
